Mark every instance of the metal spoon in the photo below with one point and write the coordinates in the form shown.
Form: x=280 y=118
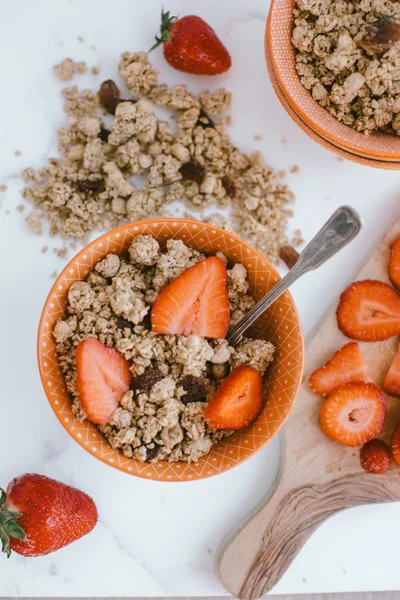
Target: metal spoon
x=338 y=231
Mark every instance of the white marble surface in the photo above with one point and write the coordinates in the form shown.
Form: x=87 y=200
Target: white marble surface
x=156 y=539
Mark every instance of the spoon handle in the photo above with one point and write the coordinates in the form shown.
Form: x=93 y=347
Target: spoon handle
x=338 y=231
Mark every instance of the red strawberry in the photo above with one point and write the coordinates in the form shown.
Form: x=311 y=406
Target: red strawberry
x=392 y=379
x=396 y=443
x=102 y=378
x=375 y=457
x=196 y=302
x=394 y=264
x=369 y=311
x=191 y=46
x=39 y=515
x=353 y=414
x=346 y=366
x=237 y=401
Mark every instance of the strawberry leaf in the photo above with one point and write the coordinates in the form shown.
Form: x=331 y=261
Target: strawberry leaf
x=8 y=525
x=166 y=23
x=15 y=530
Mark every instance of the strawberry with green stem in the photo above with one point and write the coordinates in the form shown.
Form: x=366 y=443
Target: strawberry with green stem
x=191 y=45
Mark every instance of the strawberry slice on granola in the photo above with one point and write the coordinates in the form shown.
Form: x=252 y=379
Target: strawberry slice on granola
x=195 y=303
x=102 y=378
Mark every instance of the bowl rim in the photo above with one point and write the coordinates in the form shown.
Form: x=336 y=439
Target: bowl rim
x=369 y=162
x=130 y=226
x=381 y=155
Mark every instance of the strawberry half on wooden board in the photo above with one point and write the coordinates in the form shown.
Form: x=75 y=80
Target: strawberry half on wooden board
x=369 y=311
x=346 y=366
x=192 y=46
x=394 y=264
x=195 y=303
x=39 y=515
x=237 y=401
x=102 y=378
x=391 y=385
x=353 y=414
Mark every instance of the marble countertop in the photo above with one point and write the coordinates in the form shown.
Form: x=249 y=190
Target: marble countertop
x=160 y=539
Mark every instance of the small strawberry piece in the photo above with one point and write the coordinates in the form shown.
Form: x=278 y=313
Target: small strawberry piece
x=195 y=303
x=394 y=264
x=346 y=366
x=375 y=457
x=396 y=443
x=391 y=385
x=353 y=414
x=192 y=46
x=39 y=515
x=369 y=311
x=102 y=378
x=237 y=401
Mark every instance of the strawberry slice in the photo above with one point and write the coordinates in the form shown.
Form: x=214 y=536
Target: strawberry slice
x=346 y=366
x=369 y=311
x=237 y=401
x=396 y=443
x=394 y=264
x=391 y=385
x=353 y=414
x=196 y=302
x=102 y=378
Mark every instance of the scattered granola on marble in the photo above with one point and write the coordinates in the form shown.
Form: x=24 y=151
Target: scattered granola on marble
x=160 y=414
x=348 y=56
x=92 y=185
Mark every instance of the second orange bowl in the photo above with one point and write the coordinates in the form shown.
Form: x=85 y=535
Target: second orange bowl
x=280 y=324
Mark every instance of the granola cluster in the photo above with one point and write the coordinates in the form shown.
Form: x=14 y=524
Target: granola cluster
x=190 y=159
x=348 y=56
x=162 y=416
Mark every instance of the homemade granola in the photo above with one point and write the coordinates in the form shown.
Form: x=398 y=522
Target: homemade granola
x=348 y=56
x=161 y=417
x=192 y=160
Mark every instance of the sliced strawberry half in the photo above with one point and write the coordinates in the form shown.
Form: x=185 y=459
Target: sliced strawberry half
x=237 y=401
x=394 y=264
x=103 y=377
x=369 y=311
x=396 y=443
x=391 y=385
x=196 y=302
x=353 y=414
x=346 y=366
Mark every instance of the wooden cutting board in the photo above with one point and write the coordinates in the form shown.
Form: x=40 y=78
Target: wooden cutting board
x=318 y=476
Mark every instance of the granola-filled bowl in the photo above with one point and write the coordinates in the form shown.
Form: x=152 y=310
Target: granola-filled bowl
x=379 y=146
x=280 y=325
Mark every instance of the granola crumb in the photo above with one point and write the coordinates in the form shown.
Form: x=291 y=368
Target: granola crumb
x=61 y=252
x=295 y=169
x=258 y=138
x=18 y=153
x=282 y=174
x=95 y=70
x=81 y=39
x=53 y=275
x=20 y=208
x=65 y=69
x=34 y=221
x=44 y=249
x=3 y=188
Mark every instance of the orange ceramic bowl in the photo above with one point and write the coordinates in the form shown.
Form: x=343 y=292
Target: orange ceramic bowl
x=377 y=146
x=377 y=164
x=280 y=324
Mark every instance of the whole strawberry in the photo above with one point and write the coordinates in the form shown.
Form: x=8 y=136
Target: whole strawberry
x=39 y=515
x=192 y=46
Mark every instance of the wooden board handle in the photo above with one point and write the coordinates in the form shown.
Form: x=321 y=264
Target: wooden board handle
x=254 y=561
